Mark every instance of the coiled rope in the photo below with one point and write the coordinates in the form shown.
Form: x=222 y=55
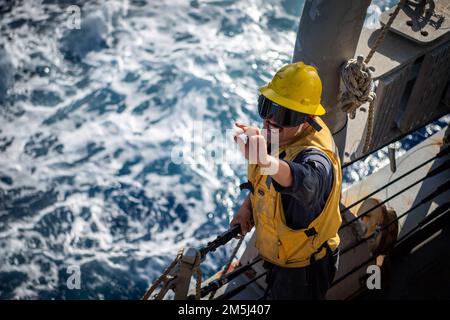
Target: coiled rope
x=359 y=87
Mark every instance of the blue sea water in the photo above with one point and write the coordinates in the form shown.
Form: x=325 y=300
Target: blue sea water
x=88 y=119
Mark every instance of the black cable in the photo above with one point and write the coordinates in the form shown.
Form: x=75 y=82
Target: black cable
x=436 y=214
x=352 y=271
x=443 y=209
x=441 y=153
x=397 y=138
x=220 y=240
x=228 y=235
x=235 y=291
x=439 y=190
x=431 y=173
x=442 y=188
x=218 y=283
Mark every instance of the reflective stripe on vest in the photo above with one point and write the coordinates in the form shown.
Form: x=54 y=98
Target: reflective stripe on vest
x=275 y=241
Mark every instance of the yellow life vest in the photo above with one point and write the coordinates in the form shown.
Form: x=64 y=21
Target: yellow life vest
x=276 y=242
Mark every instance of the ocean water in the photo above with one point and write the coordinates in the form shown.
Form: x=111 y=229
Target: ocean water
x=88 y=122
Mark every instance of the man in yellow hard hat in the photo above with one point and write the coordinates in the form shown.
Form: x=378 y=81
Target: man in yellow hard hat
x=295 y=208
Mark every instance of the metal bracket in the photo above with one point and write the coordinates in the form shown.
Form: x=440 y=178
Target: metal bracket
x=186 y=266
x=392 y=159
x=421 y=21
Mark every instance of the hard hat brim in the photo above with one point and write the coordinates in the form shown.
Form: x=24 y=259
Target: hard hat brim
x=313 y=109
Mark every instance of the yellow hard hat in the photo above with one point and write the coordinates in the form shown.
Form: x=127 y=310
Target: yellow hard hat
x=296 y=86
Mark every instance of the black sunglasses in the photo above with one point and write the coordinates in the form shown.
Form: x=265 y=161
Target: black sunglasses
x=282 y=116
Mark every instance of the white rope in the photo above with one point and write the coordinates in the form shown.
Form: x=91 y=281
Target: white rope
x=357 y=79
x=359 y=89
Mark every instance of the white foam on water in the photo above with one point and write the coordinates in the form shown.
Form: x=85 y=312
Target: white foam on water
x=102 y=147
